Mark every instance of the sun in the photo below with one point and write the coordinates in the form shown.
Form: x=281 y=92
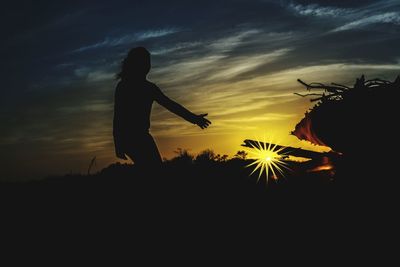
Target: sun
x=268 y=159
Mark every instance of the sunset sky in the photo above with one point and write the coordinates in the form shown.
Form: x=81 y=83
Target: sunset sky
x=236 y=60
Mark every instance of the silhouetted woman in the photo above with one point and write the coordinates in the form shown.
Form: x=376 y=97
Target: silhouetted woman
x=134 y=97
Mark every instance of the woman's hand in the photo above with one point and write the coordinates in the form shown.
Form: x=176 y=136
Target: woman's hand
x=201 y=121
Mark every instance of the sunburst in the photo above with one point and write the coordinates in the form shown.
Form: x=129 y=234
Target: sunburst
x=268 y=159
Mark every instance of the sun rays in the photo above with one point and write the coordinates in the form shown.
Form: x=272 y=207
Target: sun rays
x=268 y=159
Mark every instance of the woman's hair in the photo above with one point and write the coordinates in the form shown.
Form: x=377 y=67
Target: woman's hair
x=136 y=64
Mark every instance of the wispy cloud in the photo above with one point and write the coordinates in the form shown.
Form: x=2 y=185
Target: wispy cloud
x=224 y=58
x=230 y=68
x=93 y=75
x=317 y=10
x=128 y=39
x=389 y=17
x=350 y=18
x=155 y=33
x=227 y=43
x=175 y=48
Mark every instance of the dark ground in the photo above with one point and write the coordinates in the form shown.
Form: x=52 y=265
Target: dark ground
x=196 y=212
x=206 y=187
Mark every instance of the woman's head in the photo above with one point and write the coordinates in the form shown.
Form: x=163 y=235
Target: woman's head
x=136 y=64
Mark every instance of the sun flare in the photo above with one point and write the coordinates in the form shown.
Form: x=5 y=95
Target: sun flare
x=268 y=159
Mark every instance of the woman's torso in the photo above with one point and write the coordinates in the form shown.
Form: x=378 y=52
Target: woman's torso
x=134 y=101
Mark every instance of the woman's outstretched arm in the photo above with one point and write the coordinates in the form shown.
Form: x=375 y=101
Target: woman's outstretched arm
x=181 y=111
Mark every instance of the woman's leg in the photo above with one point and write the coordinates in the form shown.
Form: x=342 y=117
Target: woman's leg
x=144 y=152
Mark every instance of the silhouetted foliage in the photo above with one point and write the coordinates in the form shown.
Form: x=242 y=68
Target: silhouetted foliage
x=206 y=156
x=343 y=115
x=183 y=157
x=241 y=154
x=355 y=121
x=221 y=158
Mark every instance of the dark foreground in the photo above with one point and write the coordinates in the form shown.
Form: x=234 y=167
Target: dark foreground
x=193 y=212
x=209 y=188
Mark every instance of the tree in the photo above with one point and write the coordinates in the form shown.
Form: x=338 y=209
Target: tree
x=183 y=156
x=241 y=154
x=206 y=156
